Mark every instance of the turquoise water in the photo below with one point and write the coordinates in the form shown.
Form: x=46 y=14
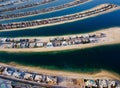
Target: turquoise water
x=96 y=23
x=92 y=59
x=75 y=9
x=55 y=3
x=87 y=25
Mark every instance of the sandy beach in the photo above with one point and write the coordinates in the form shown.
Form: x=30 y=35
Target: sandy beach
x=63 y=22
x=48 y=11
x=112 y=37
x=103 y=74
x=34 y=6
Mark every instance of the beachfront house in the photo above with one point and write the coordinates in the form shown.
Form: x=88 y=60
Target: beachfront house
x=77 y=41
x=17 y=40
x=86 y=36
x=117 y=84
x=72 y=37
x=103 y=83
x=17 y=74
x=79 y=82
x=69 y=43
x=90 y=83
x=18 y=45
x=85 y=40
x=1 y=69
x=51 y=80
x=38 y=78
x=9 y=45
x=8 y=72
x=56 y=44
x=92 y=40
x=28 y=76
x=52 y=39
x=32 y=40
x=32 y=45
x=22 y=45
x=3 y=40
x=111 y=84
x=100 y=35
x=27 y=45
x=61 y=38
x=39 y=44
x=64 y=43
x=49 y=44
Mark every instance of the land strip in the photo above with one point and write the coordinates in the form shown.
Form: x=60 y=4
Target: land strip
x=12 y=3
x=101 y=9
x=43 y=11
x=60 y=43
x=26 y=6
x=57 y=79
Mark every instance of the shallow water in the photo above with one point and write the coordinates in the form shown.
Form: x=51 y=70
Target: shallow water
x=91 y=24
x=92 y=59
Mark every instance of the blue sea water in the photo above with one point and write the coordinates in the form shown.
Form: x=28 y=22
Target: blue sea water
x=54 y=3
x=86 y=60
x=104 y=57
x=95 y=23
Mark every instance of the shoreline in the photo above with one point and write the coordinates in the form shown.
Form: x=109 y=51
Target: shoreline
x=12 y=3
x=46 y=12
x=102 y=74
x=112 y=37
x=41 y=3
x=68 y=21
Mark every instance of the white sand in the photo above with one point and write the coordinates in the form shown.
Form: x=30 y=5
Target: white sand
x=113 y=37
x=103 y=74
x=58 y=23
x=46 y=12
